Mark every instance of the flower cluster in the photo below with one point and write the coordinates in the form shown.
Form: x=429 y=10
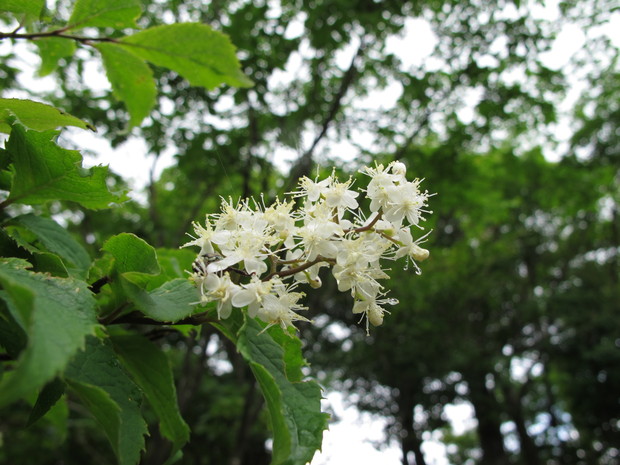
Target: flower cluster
x=256 y=256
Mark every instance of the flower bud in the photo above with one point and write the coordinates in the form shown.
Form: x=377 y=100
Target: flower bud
x=418 y=253
x=399 y=168
x=375 y=315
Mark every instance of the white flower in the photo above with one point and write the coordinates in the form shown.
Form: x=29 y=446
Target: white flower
x=372 y=310
x=361 y=280
x=281 y=221
x=398 y=169
x=220 y=289
x=245 y=245
x=409 y=247
x=252 y=295
x=340 y=197
x=319 y=233
x=405 y=201
x=281 y=308
x=205 y=236
x=311 y=189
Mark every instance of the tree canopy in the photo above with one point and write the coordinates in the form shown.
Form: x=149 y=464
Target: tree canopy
x=514 y=313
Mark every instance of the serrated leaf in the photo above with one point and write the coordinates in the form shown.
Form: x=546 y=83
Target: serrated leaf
x=12 y=336
x=44 y=171
x=171 y=302
x=45 y=262
x=131 y=79
x=28 y=7
x=57 y=240
x=198 y=53
x=37 y=116
x=100 y=405
x=57 y=314
x=51 y=50
x=175 y=263
x=294 y=405
x=132 y=254
x=48 y=397
x=112 y=397
x=150 y=369
x=57 y=419
x=111 y=13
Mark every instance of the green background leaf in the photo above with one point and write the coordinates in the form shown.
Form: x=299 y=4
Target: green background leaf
x=51 y=50
x=57 y=313
x=150 y=369
x=13 y=339
x=48 y=397
x=44 y=171
x=132 y=254
x=294 y=405
x=36 y=115
x=57 y=240
x=110 y=13
x=117 y=408
x=198 y=53
x=29 y=7
x=171 y=301
x=140 y=278
x=132 y=80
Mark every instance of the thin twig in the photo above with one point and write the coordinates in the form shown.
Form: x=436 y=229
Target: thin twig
x=369 y=226
x=95 y=287
x=55 y=33
x=139 y=318
x=299 y=269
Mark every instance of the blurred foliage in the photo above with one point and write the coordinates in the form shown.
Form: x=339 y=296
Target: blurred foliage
x=516 y=311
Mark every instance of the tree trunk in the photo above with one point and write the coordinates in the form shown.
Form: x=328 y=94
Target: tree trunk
x=487 y=411
x=410 y=443
x=410 y=440
x=529 y=451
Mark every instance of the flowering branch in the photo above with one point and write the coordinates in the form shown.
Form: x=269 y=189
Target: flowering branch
x=327 y=231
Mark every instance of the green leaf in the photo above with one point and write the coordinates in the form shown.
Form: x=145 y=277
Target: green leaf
x=294 y=405
x=132 y=254
x=44 y=262
x=175 y=263
x=51 y=50
x=112 y=397
x=44 y=171
x=57 y=240
x=172 y=301
x=111 y=13
x=37 y=116
x=198 y=53
x=57 y=314
x=12 y=336
x=150 y=369
x=132 y=80
x=138 y=273
x=48 y=397
x=28 y=7
x=100 y=404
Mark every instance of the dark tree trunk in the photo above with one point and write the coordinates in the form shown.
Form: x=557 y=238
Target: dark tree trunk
x=410 y=443
x=487 y=411
x=410 y=440
x=529 y=451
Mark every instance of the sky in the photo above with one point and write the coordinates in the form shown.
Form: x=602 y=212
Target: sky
x=355 y=436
